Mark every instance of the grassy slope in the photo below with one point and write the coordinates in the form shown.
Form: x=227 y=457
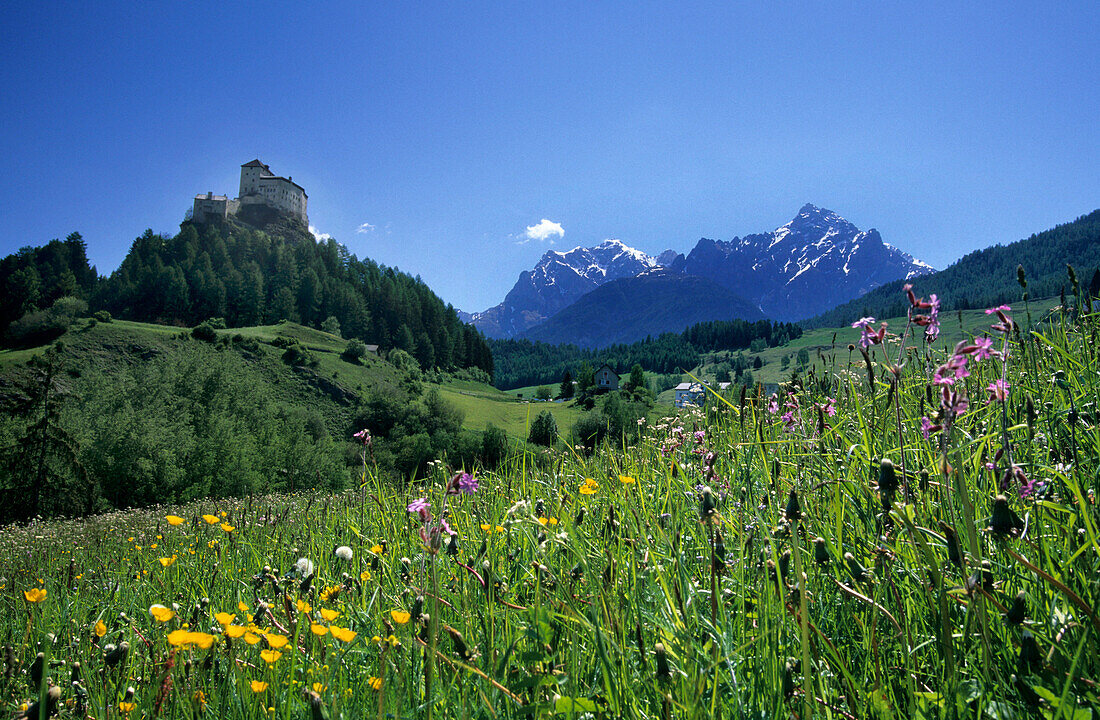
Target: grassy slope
x=955 y=326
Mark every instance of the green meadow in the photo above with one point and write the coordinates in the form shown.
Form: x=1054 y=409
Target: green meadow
x=875 y=541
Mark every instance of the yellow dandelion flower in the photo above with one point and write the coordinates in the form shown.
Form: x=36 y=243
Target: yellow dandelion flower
x=374 y=682
x=212 y=544
x=161 y=613
x=174 y=520
x=224 y=618
x=364 y=576
x=329 y=615
x=303 y=607
x=211 y=519
x=318 y=630
x=153 y=546
x=251 y=638
x=500 y=529
x=377 y=549
x=627 y=480
x=186 y=638
x=589 y=487
x=242 y=607
x=342 y=634
x=258 y=686
x=331 y=593
x=318 y=687
x=276 y=641
x=400 y=616
x=100 y=628
x=167 y=562
x=486 y=527
x=270 y=656
x=35 y=595
x=228 y=528
x=392 y=640
x=235 y=631
x=223 y=513
x=126 y=707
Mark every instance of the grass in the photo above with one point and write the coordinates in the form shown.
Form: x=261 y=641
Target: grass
x=736 y=563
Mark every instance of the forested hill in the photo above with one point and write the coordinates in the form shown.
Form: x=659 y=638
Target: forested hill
x=986 y=278
x=250 y=276
x=525 y=362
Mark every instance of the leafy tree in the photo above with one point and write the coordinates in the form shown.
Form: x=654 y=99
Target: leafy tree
x=494 y=447
x=331 y=325
x=544 y=392
x=544 y=431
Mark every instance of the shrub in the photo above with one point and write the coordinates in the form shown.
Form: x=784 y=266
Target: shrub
x=494 y=447
x=544 y=392
x=103 y=316
x=205 y=332
x=297 y=354
x=355 y=351
x=544 y=431
x=39 y=327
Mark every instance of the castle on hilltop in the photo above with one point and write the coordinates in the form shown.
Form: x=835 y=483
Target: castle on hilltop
x=259 y=186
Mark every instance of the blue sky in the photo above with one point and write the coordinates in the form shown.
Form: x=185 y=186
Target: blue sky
x=429 y=135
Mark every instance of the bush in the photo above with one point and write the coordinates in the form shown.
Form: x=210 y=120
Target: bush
x=40 y=327
x=544 y=431
x=297 y=354
x=355 y=351
x=331 y=325
x=494 y=447
x=590 y=430
x=103 y=316
x=217 y=323
x=544 y=392
x=205 y=332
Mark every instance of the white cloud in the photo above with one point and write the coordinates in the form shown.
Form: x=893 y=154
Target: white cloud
x=364 y=228
x=545 y=230
x=319 y=237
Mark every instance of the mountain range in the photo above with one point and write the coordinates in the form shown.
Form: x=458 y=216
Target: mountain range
x=814 y=262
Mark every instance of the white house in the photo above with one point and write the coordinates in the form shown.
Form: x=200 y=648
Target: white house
x=693 y=393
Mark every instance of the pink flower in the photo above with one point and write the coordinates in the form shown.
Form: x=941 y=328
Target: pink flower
x=421 y=506
x=699 y=435
x=999 y=309
x=984 y=349
x=927 y=428
x=830 y=407
x=363 y=436
x=998 y=390
x=863 y=323
x=773 y=404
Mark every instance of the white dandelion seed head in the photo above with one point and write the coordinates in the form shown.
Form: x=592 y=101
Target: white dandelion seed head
x=304 y=567
x=344 y=553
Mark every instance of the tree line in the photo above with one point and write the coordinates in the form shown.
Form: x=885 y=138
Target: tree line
x=518 y=363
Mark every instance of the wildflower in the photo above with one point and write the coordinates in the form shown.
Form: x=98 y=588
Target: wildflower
x=589 y=487
x=377 y=549
x=421 y=507
x=211 y=519
x=270 y=656
x=375 y=682
x=998 y=391
x=342 y=634
x=276 y=641
x=186 y=638
x=364 y=576
x=242 y=607
x=161 y=613
x=168 y=561
x=224 y=618
x=234 y=631
x=927 y=428
x=773 y=404
x=331 y=592
x=699 y=436
x=228 y=528
x=126 y=707
x=467 y=484
x=983 y=348
x=35 y=595
x=100 y=628
x=318 y=630
x=627 y=480
x=174 y=520
x=303 y=606
x=345 y=553
x=318 y=687
x=258 y=686
x=250 y=637
x=304 y=567
x=363 y=436
x=329 y=615
x=400 y=616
